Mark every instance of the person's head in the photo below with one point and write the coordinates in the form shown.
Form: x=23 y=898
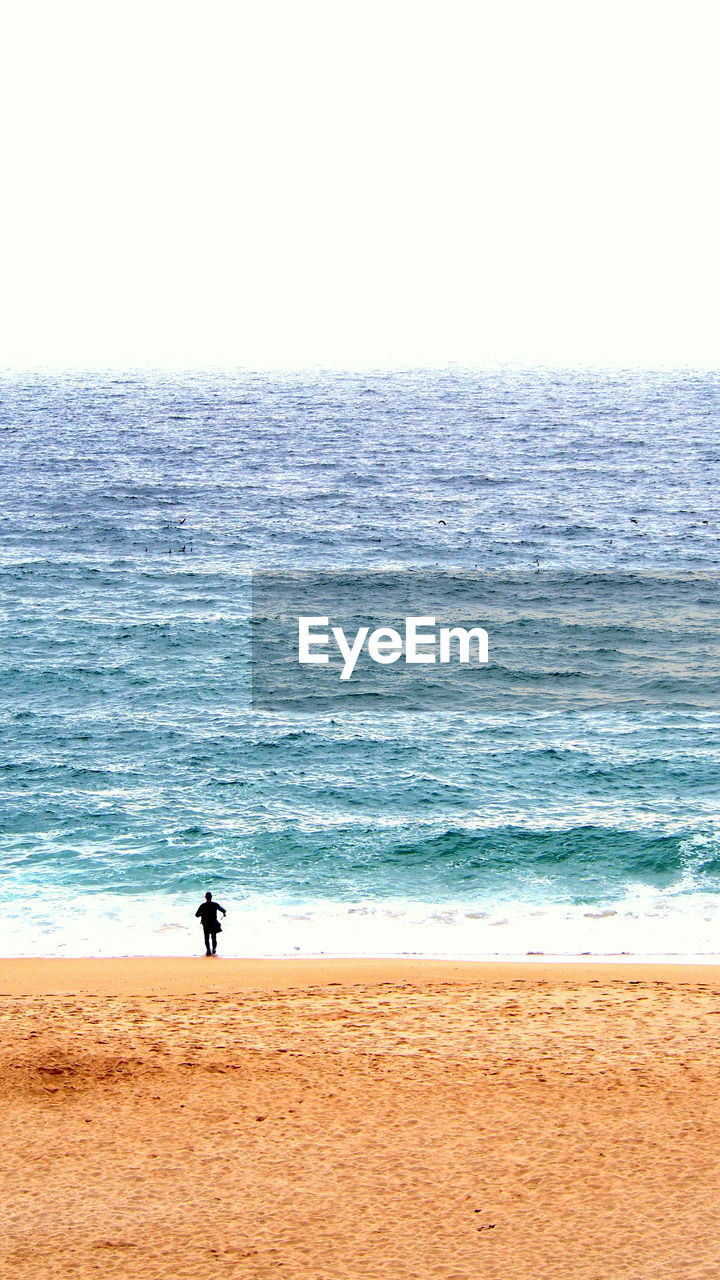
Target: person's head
x=208 y=897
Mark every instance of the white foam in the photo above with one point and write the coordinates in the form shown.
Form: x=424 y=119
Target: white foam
x=645 y=922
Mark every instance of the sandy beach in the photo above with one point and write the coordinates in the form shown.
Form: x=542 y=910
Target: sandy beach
x=328 y=1119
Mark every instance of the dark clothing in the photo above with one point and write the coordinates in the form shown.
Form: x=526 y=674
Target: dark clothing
x=208 y=913
x=210 y=936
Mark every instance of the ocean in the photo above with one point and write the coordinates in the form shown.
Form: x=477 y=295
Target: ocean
x=564 y=802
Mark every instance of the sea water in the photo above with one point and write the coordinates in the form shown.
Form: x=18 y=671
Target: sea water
x=545 y=815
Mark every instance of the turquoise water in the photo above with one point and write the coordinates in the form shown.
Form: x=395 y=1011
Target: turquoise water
x=569 y=805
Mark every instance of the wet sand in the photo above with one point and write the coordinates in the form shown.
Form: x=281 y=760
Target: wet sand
x=332 y=1120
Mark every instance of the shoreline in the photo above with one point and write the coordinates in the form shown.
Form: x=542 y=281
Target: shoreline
x=175 y=974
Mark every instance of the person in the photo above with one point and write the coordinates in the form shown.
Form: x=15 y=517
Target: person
x=208 y=913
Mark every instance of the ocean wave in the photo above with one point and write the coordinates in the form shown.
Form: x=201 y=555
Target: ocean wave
x=641 y=923
x=572 y=786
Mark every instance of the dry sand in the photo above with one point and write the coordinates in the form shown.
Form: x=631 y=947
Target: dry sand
x=347 y=1119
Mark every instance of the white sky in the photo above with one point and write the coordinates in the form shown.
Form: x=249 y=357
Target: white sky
x=359 y=182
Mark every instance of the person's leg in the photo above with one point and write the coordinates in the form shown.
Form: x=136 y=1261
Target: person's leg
x=206 y=934
x=214 y=942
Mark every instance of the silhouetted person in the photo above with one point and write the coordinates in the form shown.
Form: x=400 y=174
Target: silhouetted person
x=207 y=911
